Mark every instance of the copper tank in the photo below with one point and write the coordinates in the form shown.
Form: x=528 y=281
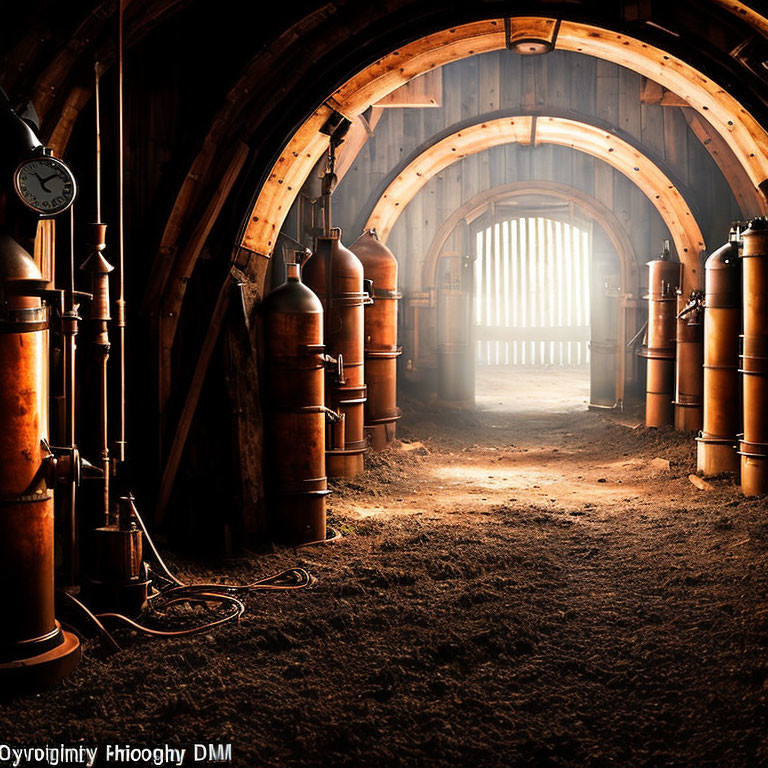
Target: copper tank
x=34 y=651
x=689 y=374
x=663 y=281
x=381 y=350
x=295 y=396
x=716 y=443
x=334 y=271
x=753 y=448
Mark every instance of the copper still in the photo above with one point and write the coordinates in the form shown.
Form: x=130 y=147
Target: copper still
x=295 y=392
x=335 y=274
x=381 y=350
x=34 y=650
x=716 y=443
x=753 y=448
x=689 y=374
x=663 y=282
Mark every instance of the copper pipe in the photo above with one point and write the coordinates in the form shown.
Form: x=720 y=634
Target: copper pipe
x=335 y=274
x=689 y=374
x=67 y=497
x=99 y=268
x=381 y=349
x=663 y=280
x=295 y=392
x=716 y=444
x=753 y=449
x=34 y=651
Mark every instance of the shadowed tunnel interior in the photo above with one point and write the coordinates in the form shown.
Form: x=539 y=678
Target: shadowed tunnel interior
x=384 y=384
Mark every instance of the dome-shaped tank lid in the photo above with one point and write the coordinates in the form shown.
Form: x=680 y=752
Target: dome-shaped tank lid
x=726 y=256
x=368 y=244
x=15 y=261
x=292 y=297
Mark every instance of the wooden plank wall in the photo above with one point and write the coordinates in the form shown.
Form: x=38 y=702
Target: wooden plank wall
x=560 y=82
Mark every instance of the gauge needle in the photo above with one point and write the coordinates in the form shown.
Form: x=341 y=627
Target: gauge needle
x=43 y=182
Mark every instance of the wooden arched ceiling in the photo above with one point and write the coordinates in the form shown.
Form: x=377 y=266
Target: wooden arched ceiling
x=582 y=136
x=591 y=206
x=730 y=119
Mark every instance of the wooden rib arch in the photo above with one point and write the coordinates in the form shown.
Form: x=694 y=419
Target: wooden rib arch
x=589 y=205
x=581 y=136
x=728 y=117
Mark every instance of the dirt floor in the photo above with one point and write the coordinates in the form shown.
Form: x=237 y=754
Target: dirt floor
x=515 y=586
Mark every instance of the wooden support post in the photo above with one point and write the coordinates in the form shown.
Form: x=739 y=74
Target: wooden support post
x=192 y=398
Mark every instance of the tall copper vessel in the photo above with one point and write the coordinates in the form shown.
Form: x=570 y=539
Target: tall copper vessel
x=34 y=651
x=381 y=350
x=754 y=446
x=335 y=274
x=689 y=374
x=716 y=449
x=295 y=396
x=663 y=282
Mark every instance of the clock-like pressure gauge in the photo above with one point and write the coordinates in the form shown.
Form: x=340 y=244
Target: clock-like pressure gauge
x=45 y=184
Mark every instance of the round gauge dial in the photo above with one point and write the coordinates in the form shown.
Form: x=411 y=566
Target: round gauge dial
x=45 y=185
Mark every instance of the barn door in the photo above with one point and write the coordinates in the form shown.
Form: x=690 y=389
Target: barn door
x=531 y=292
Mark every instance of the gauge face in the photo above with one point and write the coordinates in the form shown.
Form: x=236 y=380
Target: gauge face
x=45 y=185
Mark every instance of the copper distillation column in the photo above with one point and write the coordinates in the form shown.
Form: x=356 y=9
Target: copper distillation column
x=117 y=579
x=295 y=393
x=335 y=274
x=689 y=378
x=753 y=448
x=663 y=281
x=34 y=651
x=716 y=443
x=381 y=349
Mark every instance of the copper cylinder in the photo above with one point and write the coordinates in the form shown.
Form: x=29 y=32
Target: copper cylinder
x=753 y=448
x=716 y=444
x=663 y=281
x=689 y=374
x=34 y=651
x=381 y=350
x=335 y=274
x=295 y=396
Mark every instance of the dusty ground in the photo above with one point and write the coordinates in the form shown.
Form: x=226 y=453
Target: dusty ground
x=526 y=587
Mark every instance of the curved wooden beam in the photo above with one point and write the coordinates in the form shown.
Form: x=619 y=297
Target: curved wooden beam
x=591 y=206
x=730 y=119
x=581 y=136
x=755 y=20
